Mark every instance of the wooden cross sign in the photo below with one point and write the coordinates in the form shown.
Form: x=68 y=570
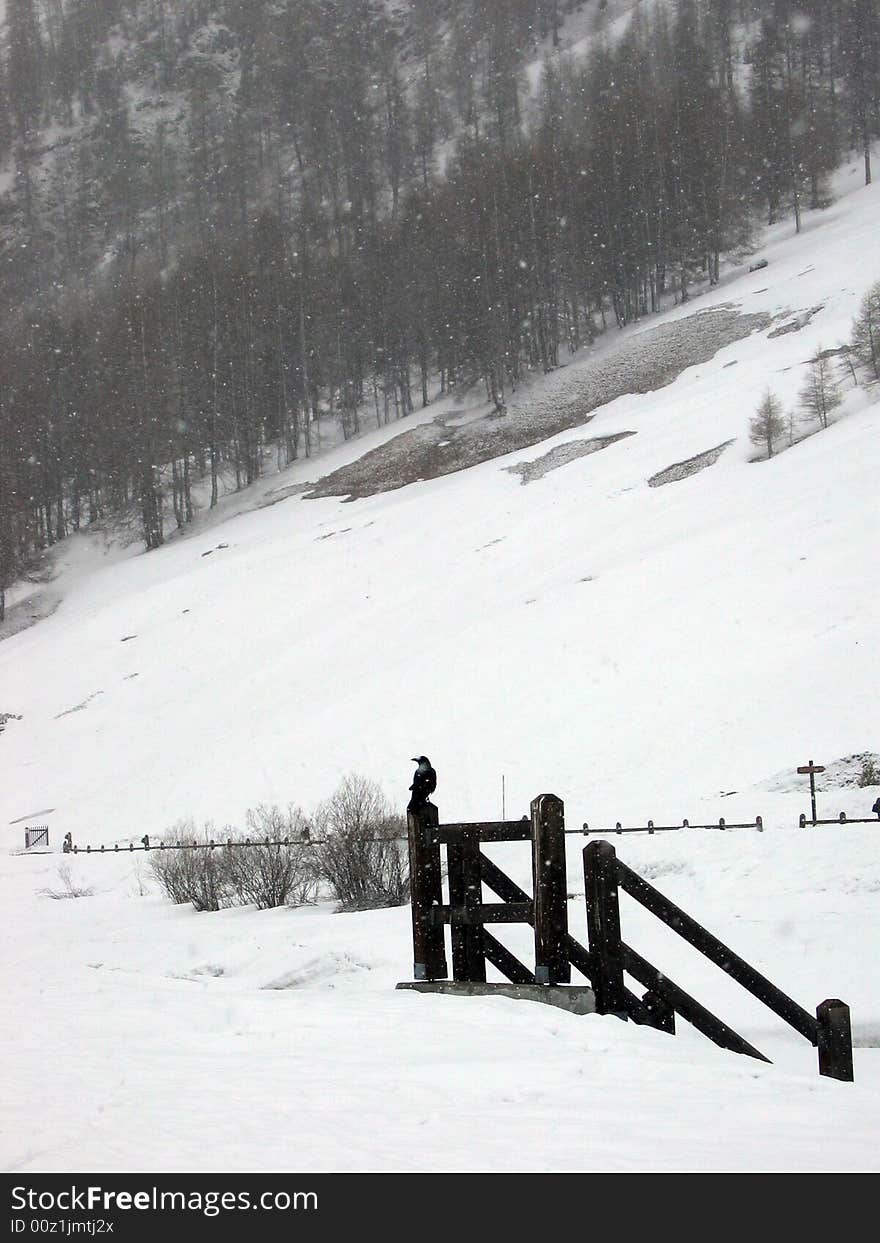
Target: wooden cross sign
x=812 y=769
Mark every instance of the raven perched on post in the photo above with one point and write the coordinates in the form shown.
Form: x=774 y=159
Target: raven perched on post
x=424 y=783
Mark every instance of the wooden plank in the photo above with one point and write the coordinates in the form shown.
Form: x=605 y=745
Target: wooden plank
x=636 y=1009
x=578 y=955
x=508 y=964
x=455 y=881
x=661 y=1014
x=603 y=927
x=484 y=913
x=426 y=883
x=490 y=831
x=550 y=889
x=500 y=883
x=473 y=901
x=685 y=1005
x=716 y=951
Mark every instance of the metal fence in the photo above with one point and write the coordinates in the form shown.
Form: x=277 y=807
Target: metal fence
x=651 y=827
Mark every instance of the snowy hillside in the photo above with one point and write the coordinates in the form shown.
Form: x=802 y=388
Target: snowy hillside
x=684 y=639
x=642 y=651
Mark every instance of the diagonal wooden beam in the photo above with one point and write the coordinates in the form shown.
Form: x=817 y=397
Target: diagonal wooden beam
x=685 y=1005
x=508 y=964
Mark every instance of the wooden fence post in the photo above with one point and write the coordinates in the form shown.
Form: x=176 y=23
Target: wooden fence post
x=465 y=891
x=457 y=932
x=550 y=889
x=426 y=886
x=473 y=898
x=603 y=926
x=835 y=1040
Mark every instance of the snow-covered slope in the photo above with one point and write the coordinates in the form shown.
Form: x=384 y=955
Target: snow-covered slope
x=628 y=646
x=641 y=651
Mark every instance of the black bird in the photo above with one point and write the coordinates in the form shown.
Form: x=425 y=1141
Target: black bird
x=424 y=783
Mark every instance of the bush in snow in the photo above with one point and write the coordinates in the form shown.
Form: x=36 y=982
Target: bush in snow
x=240 y=869
x=197 y=876
x=272 y=873
x=358 y=851
x=70 y=889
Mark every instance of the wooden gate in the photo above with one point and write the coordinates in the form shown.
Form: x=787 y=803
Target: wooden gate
x=468 y=869
x=609 y=958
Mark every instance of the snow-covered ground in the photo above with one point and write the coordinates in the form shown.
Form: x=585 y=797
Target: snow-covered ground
x=641 y=651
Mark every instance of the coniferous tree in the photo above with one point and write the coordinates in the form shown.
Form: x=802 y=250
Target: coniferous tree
x=860 y=54
x=865 y=343
x=25 y=67
x=768 y=423
x=820 y=393
x=354 y=208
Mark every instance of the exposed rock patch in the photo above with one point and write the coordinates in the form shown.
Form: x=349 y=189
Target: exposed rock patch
x=795 y=325
x=80 y=706
x=843 y=773
x=564 y=399
x=692 y=466
x=561 y=455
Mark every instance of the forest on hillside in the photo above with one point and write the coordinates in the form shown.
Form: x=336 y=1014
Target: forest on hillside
x=223 y=221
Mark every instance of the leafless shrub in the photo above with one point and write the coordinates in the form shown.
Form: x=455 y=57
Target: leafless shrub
x=357 y=851
x=187 y=875
x=273 y=873
x=70 y=889
x=213 y=871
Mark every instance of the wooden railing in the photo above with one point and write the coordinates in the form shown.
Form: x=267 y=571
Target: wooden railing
x=604 y=876
x=609 y=958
